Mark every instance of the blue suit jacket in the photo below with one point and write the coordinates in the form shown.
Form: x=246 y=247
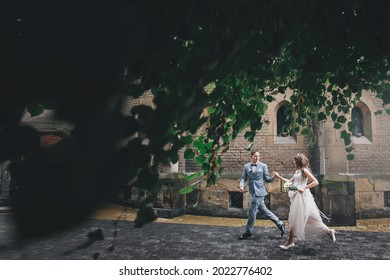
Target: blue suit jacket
x=257 y=179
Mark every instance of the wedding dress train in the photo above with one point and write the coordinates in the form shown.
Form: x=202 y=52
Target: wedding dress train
x=305 y=219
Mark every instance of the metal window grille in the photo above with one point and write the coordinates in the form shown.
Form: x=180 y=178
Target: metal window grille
x=236 y=199
x=387 y=199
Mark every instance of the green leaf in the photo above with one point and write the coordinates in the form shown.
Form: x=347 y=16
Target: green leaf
x=343 y=102
x=211 y=110
x=328 y=108
x=349 y=149
x=333 y=116
x=281 y=89
x=305 y=131
x=198 y=143
x=174 y=158
x=341 y=119
x=321 y=116
x=344 y=134
x=200 y=160
x=351 y=126
x=225 y=139
x=193 y=176
x=35 y=110
x=379 y=112
x=347 y=141
x=337 y=125
x=186 y=190
x=350 y=156
x=189 y=154
x=212 y=179
x=269 y=98
x=388 y=111
x=386 y=97
x=250 y=135
x=347 y=93
x=345 y=109
x=187 y=139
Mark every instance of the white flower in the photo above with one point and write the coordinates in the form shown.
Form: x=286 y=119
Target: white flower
x=288 y=186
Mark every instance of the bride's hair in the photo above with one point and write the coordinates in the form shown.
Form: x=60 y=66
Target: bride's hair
x=301 y=162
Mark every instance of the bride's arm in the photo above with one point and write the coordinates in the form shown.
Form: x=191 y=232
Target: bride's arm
x=282 y=178
x=311 y=178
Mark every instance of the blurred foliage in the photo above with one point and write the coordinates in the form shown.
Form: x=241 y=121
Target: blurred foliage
x=212 y=66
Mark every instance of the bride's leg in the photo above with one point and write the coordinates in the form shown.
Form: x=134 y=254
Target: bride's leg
x=331 y=233
x=290 y=238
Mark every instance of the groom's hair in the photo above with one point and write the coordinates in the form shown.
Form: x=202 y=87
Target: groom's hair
x=253 y=152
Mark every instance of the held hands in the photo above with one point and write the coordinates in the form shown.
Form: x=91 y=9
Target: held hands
x=275 y=174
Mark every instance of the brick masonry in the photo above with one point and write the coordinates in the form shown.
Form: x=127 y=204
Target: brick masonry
x=360 y=194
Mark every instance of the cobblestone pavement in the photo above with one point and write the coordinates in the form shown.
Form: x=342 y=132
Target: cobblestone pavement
x=110 y=235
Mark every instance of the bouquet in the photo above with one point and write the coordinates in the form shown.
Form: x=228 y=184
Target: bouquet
x=288 y=186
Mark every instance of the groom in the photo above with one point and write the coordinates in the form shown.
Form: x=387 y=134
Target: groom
x=257 y=173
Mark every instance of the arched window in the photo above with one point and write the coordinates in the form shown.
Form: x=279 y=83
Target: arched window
x=362 y=129
x=358 y=122
x=282 y=121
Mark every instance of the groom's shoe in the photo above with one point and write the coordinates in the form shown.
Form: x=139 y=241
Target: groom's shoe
x=245 y=235
x=282 y=229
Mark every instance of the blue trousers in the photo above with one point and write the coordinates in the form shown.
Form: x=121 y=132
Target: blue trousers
x=259 y=204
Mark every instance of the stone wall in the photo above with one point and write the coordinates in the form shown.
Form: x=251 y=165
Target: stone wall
x=342 y=198
x=216 y=200
x=336 y=199
x=371 y=192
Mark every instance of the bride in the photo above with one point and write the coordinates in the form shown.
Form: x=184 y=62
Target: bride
x=305 y=219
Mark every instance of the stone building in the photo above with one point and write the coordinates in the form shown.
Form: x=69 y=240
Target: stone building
x=348 y=190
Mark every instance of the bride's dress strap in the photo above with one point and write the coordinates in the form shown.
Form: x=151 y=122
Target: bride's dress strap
x=324 y=216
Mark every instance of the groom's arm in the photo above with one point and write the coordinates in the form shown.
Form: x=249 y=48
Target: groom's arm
x=266 y=175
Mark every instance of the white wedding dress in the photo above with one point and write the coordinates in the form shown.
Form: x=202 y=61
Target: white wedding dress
x=305 y=219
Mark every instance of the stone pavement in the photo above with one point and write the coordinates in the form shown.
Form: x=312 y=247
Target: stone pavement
x=110 y=235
